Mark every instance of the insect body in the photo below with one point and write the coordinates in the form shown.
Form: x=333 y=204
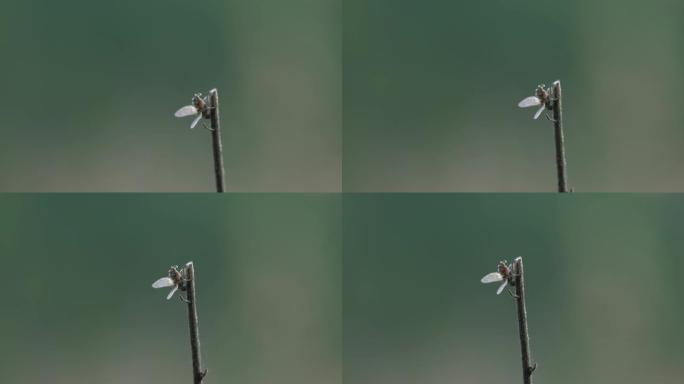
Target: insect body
x=174 y=279
x=540 y=99
x=503 y=273
x=198 y=107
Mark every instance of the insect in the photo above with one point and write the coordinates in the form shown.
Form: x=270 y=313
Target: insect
x=503 y=273
x=174 y=279
x=198 y=107
x=540 y=99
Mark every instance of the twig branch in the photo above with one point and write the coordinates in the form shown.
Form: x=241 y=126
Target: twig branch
x=561 y=164
x=216 y=140
x=519 y=283
x=197 y=372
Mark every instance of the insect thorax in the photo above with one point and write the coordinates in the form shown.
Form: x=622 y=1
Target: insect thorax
x=504 y=269
x=201 y=104
x=175 y=275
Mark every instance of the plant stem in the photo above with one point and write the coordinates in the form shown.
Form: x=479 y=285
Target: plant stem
x=216 y=140
x=197 y=372
x=519 y=282
x=561 y=164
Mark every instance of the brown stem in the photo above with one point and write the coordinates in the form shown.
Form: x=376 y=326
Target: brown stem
x=216 y=140
x=519 y=282
x=561 y=163
x=197 y=372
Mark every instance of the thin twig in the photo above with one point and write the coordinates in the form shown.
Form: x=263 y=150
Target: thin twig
x=197 y=372
x=216 y=140
x=519 y=282
x=561 y=164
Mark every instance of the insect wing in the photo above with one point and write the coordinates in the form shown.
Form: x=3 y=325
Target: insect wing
x=163 y=283
x=501 y=288
x=187 y=110
x=539 y=112
x=531 y=101
x=492 y=277
x=172 y=292
x=194 y=122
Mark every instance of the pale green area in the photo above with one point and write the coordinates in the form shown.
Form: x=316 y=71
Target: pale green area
x=89 y=89
x=427 y=90
x=431 y=91
x=603 y=286
x=304 y=288
x=78 y=305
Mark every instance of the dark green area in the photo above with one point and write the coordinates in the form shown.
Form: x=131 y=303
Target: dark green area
x=431 y=91
x=602 y=282
x=78 y=301
x=90 y=88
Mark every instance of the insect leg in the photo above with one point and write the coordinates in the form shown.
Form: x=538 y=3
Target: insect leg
x=207 y=128
x=513 y=295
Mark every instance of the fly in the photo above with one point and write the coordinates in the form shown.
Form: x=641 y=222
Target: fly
x=199 y=107
x=174 y=279
x=503 y=273
x=540 y=99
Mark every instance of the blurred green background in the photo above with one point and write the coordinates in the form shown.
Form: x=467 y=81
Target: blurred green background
x=427 y=91
x=603 y=276
x=431 y=91
x=78 y=305
x=90 y=88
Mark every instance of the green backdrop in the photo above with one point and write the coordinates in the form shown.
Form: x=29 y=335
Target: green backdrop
x=602 y=279
x=431 y=91
x=78 y=305
x=89 y=89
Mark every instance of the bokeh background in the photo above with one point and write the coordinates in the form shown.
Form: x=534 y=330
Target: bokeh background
x=89 y=89
x=78 y=304
x=427 y=91
x=431 y=91
x=603 y=276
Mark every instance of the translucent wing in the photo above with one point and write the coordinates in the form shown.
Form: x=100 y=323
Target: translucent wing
x=197 y=119
x=539 y=112
x=163 y=282
x=188 y=110
x=531 y=101
x=501 y=288
x=172 y=292
x=492 y=277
